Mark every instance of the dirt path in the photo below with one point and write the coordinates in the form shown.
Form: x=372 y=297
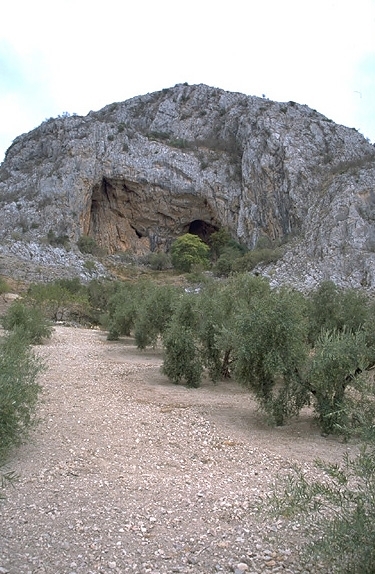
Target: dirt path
x=128 y=473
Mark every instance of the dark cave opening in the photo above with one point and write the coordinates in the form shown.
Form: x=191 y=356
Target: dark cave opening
x=138 y=233
x=203 y=229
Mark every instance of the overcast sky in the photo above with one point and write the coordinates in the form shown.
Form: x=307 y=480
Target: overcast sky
x=80 y=55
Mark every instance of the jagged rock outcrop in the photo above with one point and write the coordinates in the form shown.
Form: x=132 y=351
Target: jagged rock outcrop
x=137 y=174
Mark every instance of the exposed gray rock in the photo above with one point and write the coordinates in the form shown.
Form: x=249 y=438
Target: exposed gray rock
x=34 y=262
x=137 y=174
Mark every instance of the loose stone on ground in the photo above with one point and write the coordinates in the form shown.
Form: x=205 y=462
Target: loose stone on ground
x=128 y=473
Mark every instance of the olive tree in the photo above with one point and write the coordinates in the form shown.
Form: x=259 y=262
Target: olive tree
x=19 y=389
x=154 y=314
x=123 y=307
x=337 y=363
x=182 y=352
x=271 y=353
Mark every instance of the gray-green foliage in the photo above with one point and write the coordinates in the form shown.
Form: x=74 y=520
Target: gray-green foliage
x=29 y=321
x=99 y=292
x=211 y=311
x=19 y=390
x=224 y=265
x=290 y=351
x=154 y=315
x=159 y=261
x=87 y=244
x=224 y=252
x=122 y=309
x=258 y=255
x=218 y=306
x=182 y=351
x=337 y=363
x=242 y=289
x=229 y=256
x=332 y=308
x=339 y=507
x=220 y=241
x=69 y=299
x=271 y=353
x=4 y=287
x=182 y=359
x=207 y=319
x=62 y=298
x=342 y=337
x=143 y=308
x=239 y=326
x=265 y=338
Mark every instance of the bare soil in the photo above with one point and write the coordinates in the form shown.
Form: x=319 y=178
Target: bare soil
x=127 y=472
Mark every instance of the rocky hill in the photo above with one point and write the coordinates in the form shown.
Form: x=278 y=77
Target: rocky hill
x=137 y=174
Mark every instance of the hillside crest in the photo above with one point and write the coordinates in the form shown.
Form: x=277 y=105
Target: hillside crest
x=137 y=174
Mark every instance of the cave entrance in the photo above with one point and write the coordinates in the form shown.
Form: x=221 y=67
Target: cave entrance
x=125 y=215
x=203 y=229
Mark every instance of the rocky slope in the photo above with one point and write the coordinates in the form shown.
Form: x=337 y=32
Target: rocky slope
x=137 y=174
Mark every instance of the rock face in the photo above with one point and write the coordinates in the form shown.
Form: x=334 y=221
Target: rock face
x=137 y=174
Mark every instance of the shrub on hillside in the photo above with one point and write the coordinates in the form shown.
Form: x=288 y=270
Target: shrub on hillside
x=223 y=266
x=74 y=286
x=228 y=261
x=58 y=240
x=88 y=245
x=256 y=257
x=187 y=251
x=159 y=261
x=369 y=330
x=218 y=241
x=4 y=287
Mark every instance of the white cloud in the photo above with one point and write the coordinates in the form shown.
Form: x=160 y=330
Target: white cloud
x=76 y=55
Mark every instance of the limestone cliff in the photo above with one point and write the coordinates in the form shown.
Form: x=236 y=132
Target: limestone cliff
x=137 y=174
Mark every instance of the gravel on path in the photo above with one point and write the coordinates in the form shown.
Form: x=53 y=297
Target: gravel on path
x=129 y=473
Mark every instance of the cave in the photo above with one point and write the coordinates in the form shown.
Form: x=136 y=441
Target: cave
x=203 y=229
x=140 y=217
